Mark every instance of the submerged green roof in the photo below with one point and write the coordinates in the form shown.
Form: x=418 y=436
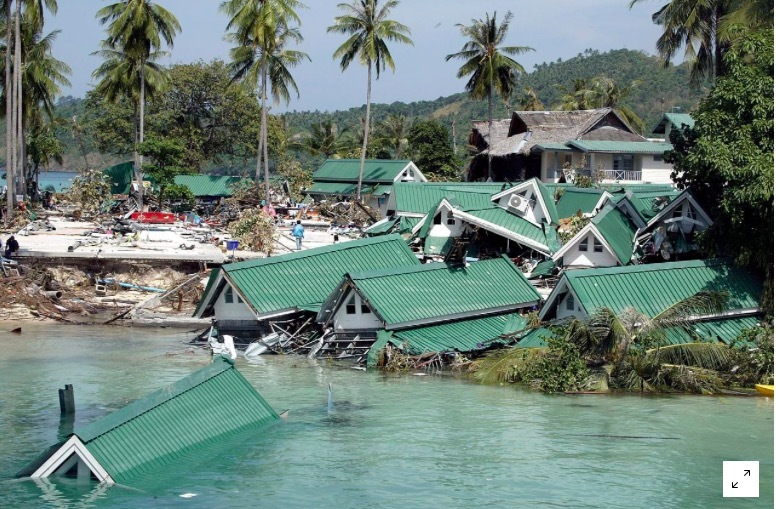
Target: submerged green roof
x=654 y=287
x=305 y=278
x=154 y=431
x=208 y=185
x=576 y=199
x=382 y=171
x=435 y=292
x=618 y=231
x=461 y=336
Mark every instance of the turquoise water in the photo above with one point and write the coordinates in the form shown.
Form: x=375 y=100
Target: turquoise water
x=390 y=441
x=59 y=180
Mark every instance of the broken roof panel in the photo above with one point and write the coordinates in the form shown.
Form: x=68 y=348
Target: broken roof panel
x=208 y=185
x=649 y=204
x=544 y=239
x=286 y=282
x=433 y=293
x=577 y=199
x=618 y=231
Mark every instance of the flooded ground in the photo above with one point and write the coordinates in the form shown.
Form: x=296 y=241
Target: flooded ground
x=389 y=441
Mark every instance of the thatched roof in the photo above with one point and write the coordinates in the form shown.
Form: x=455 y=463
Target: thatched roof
x=479 y=136
x=555 y=127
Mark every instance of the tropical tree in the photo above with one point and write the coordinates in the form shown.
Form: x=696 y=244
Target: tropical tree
x=430 y=149
x=576 y=97
x=605 y=93
x=136 y=29
x=530 y=101
x=367 y=24
x=392 y=132
x=166 y=161
x=489 y=65
x=262 y=29
x=323 y=139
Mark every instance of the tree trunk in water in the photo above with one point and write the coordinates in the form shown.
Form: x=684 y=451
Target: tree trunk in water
x=9 y=141
x=264 y=131
x=138 y=156
x=490 y=138
x=366 y=128
x=18 y=99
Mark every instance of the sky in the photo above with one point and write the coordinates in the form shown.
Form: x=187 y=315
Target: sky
x=554 y=28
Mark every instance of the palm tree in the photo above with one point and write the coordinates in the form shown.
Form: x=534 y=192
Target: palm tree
x=576 y=97
x=367 y=24
x=530 y=101
x=137 y=28
x=393 y=132
x=488 y=64
x=262 y=28
x=605 y=93
x=324 y=139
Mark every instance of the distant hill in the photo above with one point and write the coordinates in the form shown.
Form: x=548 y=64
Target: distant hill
x=659 y=90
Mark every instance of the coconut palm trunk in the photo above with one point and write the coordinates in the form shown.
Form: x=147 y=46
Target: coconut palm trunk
x=366 y=128
x=141 y=136
x=490 y=138
x=9 y=141
x=19 y=167
x=264 y=129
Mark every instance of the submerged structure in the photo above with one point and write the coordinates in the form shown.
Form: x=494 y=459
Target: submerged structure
x=155 y=431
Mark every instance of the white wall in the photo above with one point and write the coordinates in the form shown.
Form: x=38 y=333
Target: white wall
x=562 y=312
x=687 y=226
x=446 y=230
x=576 y=258
x=235 y=311
x=360 y=321
x=657 y=172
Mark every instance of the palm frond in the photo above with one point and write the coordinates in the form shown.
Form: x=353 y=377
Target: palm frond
x=714 y=356
x=500 y=366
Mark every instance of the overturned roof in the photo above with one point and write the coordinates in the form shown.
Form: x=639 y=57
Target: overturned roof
x=303 y=280
x=154 y=431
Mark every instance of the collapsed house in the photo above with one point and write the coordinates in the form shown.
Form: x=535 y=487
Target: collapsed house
x=548 y=144
x=651 y=289
x=337 y=179
x=635 y=227
x=153 y=432
x=209 y=189
x=426 y=308
x=244 y=297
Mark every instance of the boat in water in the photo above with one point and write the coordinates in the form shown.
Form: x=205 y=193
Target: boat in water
x=765 y=390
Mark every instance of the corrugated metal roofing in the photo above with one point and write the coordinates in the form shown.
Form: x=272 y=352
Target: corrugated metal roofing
x=153 y=431
x=419 y=197
x=676 y=120
x=383 y=171
x=499 y=217
x=304 y=278
x=725 y=330
x=381 y=227
x=621 y=147
x=653 y=288
x=548 y=197
x=618 y=230
x=535 y=338
x=436 y=292
x=334 y=188
x=460 y=336
x=556 y=147
x=208 y=185
x=648 y=204
x=576 y=199
x=121 y=176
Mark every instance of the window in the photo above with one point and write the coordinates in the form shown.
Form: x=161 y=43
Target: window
x=658 y=158
x=597 y=246
x=583 y=244
x=350 y=307
x=566 y=160
x=229 y=296
x=677 y=213
x=691 y=213
x=450 y=218
x=239 y=299
x=365 y=309
x=622 y=162
x=438 y=218
x=570 y=305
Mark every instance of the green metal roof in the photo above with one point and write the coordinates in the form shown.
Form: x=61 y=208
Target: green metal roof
x=419 y=197
x=346 y=189
x=381 y=227
x=208 y=185
x=288 y=282
x=460 y=336
x=579 y=199
x=555 y=147
x=406 y=224
x=383 y=171
x=649 y=204
x=121 y=176
x=618 y=230
x=436 y=292
x=621 y=147
x=676 y=120
x=654 y=287
x=534 y=338
x=549 y=200
x=725 y=330
x=154 y=431
x=501 y=218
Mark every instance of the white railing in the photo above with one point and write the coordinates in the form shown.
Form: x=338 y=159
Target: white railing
x=620 y=175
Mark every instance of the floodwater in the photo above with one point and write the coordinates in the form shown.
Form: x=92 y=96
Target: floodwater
x=390 y=441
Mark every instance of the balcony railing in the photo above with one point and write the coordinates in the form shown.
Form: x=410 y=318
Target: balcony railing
x=620 y=175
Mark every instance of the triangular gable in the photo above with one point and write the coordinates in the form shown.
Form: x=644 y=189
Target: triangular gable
x=573 y=243
x=517 y=201
x=608 y=118
x=72 y=454
x=679 y=201
x=550 y=307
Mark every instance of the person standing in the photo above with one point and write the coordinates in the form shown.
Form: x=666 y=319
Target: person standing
x=11 y=247
x=298 y=234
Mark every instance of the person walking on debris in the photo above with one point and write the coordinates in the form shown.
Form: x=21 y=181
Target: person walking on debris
x=298 y=233
x=11 y=247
